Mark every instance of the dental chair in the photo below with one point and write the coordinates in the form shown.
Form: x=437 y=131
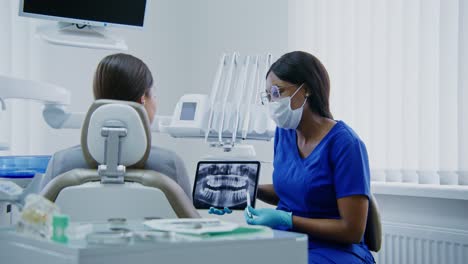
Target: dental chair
x=116 y=136
x=373 y=233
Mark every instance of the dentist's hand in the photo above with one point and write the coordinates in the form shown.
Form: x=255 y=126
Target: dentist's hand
x=216 y=211
x=276 y=219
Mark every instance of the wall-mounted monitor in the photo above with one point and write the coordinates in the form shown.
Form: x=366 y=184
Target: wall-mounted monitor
x=87 y=12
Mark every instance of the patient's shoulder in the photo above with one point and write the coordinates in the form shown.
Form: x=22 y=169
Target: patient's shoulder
x=69 y=151
x=163 y=160
x=70 y=155
x=162 y=155
x=66 y=160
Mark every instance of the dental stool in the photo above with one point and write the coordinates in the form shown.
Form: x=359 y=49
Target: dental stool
x=373 y=233
x=116 y=136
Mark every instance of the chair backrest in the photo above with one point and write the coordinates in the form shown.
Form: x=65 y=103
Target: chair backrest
x=373 y=233
x=116 y=135
x=137 y=142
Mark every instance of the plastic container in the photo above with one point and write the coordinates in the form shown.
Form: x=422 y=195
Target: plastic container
x=37 y=217
x=21 y=169
x=22 y=166
x=59 y=227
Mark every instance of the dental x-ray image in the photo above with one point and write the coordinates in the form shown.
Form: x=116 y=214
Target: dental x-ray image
x=225 y=184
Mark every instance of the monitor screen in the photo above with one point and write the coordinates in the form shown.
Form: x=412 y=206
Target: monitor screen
x=188 y=111
x=225 y=184
x=87 y=12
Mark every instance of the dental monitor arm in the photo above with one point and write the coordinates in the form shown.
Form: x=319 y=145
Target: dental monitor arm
x=55 y=99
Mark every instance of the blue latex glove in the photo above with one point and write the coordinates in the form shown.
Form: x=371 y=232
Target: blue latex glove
x=276 y=219
x=216 y=211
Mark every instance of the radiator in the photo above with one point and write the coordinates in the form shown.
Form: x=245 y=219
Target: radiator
x=422 y=223
x=415 y=244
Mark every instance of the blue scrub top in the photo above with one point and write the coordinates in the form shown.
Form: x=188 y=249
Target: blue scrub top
x=309 y=187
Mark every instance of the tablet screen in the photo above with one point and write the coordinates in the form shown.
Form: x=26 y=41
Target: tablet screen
x=225 y=184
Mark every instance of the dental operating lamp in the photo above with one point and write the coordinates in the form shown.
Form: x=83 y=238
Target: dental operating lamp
x=11 y=87
x=53 y=97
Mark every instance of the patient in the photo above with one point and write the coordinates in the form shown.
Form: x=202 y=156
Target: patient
x=123 y=77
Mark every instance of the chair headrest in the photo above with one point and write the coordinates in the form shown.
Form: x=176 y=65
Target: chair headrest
x=134 y=147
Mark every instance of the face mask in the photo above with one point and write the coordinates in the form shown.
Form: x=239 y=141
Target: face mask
x=285 y=117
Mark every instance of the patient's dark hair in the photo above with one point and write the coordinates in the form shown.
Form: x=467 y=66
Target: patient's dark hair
x=122 y=77
x=300 y=67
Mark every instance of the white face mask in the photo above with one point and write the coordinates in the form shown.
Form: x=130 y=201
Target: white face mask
x=282 y=113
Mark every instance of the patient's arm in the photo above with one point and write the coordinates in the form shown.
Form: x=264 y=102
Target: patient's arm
x=182 y=176
x=267 y=193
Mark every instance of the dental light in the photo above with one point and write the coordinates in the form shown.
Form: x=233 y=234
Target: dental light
x=54 y=98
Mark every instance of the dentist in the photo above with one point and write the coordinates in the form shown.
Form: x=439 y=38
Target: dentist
x=321 y=179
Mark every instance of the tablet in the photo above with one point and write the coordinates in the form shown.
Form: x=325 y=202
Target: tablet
x=225 y=184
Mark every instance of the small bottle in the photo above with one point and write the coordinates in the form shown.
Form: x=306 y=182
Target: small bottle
x=59 y=226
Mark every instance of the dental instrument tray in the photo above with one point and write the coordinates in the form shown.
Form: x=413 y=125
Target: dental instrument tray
x=225 y=184
x=192 y=226
x=95 y=244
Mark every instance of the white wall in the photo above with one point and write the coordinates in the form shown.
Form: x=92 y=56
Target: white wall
x=181 y=43
x=396 y=70
x=158 y=44
x=214 y=27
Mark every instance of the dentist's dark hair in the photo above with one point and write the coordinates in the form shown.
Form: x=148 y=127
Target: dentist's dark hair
x=122 y=77
x=300 y=67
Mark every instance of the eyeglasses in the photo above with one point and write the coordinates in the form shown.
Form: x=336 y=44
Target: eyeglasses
x=273 y=94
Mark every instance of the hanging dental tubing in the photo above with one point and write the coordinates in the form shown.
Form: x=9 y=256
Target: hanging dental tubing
x=242 y=86
x=228 y=89
x=214 y=92
x=252 y=82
